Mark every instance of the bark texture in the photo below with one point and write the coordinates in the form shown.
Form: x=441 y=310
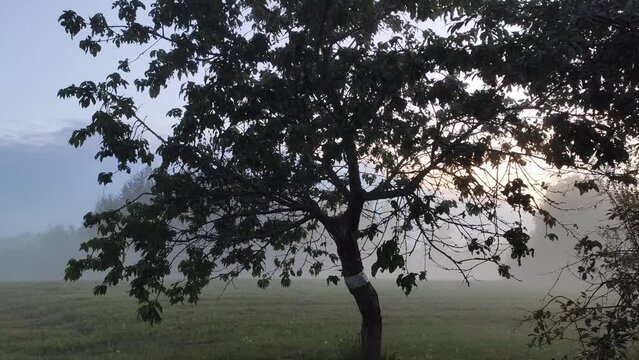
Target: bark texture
x=371 y=333
x=344 y=231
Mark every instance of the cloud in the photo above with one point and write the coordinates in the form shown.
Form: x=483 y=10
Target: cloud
x=32 y=133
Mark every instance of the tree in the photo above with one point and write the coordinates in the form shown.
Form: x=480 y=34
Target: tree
x=603 y=319
x=137 y=189
x=37 y=256
x=351 y=122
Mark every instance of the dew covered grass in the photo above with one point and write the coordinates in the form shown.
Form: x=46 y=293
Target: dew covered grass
x=440 y=320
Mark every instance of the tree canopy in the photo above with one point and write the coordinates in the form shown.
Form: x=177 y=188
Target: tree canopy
x=355 y=122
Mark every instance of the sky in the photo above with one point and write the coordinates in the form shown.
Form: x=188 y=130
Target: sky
x=43 y=180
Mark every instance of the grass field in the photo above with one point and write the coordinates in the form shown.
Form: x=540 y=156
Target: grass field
x=441 y=320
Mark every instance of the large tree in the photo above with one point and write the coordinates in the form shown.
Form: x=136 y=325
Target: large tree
x=354 y=125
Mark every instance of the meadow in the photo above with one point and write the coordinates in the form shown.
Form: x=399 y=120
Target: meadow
x=309 y=320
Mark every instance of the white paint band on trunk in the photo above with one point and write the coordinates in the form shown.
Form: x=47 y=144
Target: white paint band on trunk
x=355 y=281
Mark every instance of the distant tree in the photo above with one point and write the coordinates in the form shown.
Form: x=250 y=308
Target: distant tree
x=137 y=189
x=347 y=121
x=41 y=255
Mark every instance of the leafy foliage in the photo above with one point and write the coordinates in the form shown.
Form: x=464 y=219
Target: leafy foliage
x=305 y=120
x=604 y=318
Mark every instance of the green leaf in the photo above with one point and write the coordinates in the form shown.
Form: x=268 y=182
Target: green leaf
x=151 y=312
x=100 y=290
x=105 y=178
x=406 y=282
x=332 y=279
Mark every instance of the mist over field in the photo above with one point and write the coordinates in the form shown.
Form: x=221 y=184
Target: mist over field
x=41 y=254
x=42 y=218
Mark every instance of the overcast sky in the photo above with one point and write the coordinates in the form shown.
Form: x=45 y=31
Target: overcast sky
x=43 y=180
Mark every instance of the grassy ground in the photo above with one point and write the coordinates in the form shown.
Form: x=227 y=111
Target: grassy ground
x=441 y=320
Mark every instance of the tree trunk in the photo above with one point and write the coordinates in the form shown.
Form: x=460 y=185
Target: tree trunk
x=346 y=235
x=371 y=333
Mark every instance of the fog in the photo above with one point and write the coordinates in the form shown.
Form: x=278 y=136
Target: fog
x=43 y=201
x=578 y=215
x=40 y=254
